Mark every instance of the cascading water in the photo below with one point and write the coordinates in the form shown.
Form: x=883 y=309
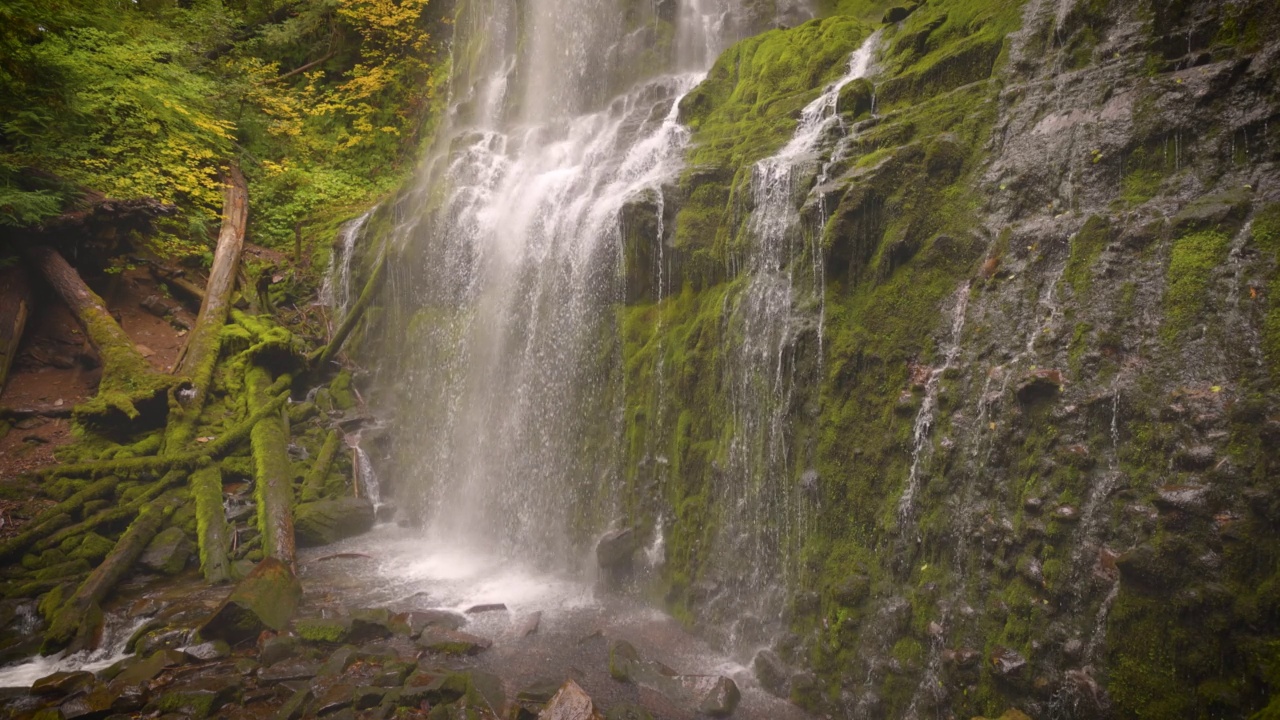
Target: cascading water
x=764 y=506
x=507 y=401
x=335 y=292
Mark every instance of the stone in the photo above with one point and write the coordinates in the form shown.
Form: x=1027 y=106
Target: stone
x=93 y=548
x=86 y=705
x=623 y=659
x=393 y=674
x=341 y=659
x=1190 y=499
x=266 y=599
x=148 y=668
x=771 y=673
x=277 y=648
x=451 y=642
x=417 y=620
x=570 y=703
x=295 y=707
x=1196 y=457
x=168 y=552
x=539 y=692
x=713 y=695
x=366 y=697
x=1007 y=663
x=370 y=624
x=200 y=698
x=615 y=549
x=336 y=697
x=1066 y=513
x=206 y=651
x=62 y=683
x=288 y=671
x=330 y=630
x=528 y=625
x=487 y=607
x=327 y=521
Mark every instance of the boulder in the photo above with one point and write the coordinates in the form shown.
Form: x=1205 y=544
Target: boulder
x=332 y=630
x=771 y=673
x=451 y=642
x=615 y=549
x=201 y=697
x=417 y=620
x=570 y=703
x=62 y=683
x=1007 y=663
x=328 y=521
x=168 y=552
x=266 y=599
x=276 y=648
x=206 y=651
x=141 y=671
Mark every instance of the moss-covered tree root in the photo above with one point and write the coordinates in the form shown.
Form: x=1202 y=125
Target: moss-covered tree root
x=55 y=517
x=76 y=621
x=132 y=466
x=111 y=515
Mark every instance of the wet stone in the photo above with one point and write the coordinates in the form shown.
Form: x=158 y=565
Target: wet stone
x=168 y=552
x=570 y=703
x=1007 y=663
x=330 y=630
x=266 y=599
x=451 y=642
x=417 y=620
x=627 y=711
x=277 y=648
x=295 y=707
x=328 y=521
x=335 y=698
x=62 y=683
x=364 y=698
x=487 y=607
x=206 y=651
x=200 y=698
x=770 y=672
x=1190 y=499
x=287 y=671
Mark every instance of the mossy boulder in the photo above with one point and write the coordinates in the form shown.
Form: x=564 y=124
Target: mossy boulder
x=93 y=547
x=266 y=599
x=168 y=552
x=328 y=521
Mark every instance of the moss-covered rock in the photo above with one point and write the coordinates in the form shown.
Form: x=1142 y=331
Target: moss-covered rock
x=266 y=599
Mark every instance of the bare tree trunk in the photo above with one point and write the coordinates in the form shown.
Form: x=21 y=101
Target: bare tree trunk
x=15 y=308
x=127 y=377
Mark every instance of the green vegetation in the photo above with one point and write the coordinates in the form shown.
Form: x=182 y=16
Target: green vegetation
x=1187 y=295
x=322 y=103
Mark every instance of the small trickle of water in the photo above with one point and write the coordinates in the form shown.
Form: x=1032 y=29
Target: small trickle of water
x=920 y=430
x=335 y=292
x=368 y=478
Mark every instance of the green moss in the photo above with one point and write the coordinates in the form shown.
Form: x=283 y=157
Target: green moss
x=1140 y=185
x=1191 y=264
x=329 y=630
x=1086 y=246
x=1266 y=237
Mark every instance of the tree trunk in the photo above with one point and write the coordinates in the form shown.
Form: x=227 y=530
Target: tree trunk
x=273 y=475
x=200 y=355
x=15 y=308
x=76 y=620
x=127 y=378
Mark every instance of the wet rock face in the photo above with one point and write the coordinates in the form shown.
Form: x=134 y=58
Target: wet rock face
x=1092 y=472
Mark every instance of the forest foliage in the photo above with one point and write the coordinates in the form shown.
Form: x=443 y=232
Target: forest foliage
x=323 y=103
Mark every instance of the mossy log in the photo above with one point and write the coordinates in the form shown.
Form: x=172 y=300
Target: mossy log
x=323 y=356
x=313 y=484
x=211 y=524
x=55 y=517
x=15 y=308
x=128 y=380
x=218 y=447
x=273 y=475
x=172 y=277
x=76 y=621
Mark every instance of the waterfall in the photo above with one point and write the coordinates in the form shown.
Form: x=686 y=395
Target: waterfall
x=335 y=291
x=766 y=505
x=505 y=387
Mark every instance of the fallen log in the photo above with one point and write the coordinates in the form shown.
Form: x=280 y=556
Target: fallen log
x=15 y=308
x=175 y=281
x=41 y=411
x=76 y=621
x=200 y=356
x=313 y=484
x=127 y=378
x=55 y=517
x=216 y=448
x=273 y=475
x=211 y=524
